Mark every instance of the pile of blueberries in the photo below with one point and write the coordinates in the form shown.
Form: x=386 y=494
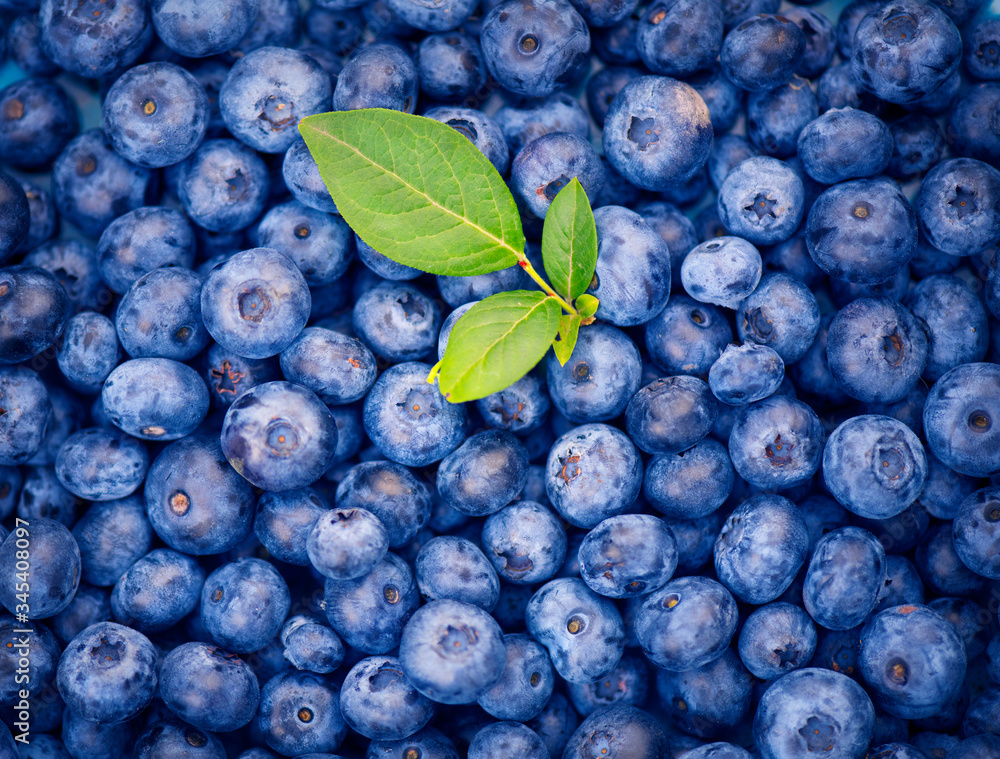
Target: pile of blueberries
x=756 y=514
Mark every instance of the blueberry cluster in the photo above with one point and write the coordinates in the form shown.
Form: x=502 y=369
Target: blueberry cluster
x=755 y=514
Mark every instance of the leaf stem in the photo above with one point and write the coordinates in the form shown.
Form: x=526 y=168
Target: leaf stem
x=525 y=264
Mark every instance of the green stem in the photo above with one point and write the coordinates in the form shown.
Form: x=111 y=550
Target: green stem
x=546 y=288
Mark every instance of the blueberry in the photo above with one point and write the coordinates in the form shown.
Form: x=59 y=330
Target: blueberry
x=450 y=567
x=747 y=373
x=43 y=220
x=262 y=108
x=535 y=47
x=763 y=52
x=34 y=309
x=760 y=548
x=618 y=731
x=457 y=291
x=37 y=119
x=828 y=146
x=557 y=113
x=160 y=316
x=337 y=368
x=846 y=572
x=728 y=152
x=721 y=271
x=956 y=206
x=776 y=639
x=689 y=484
x=195 y=30
x=100 y=464
x=92 y=184
x=975 y=532
x=599 y=379
x=381 y=75
x=437 y=18
x=671 y=414
x=874 y=466
x=450 y=67
x=628 y=555
x=776 y=118
x=311 y=645
x=876 y=350
x=169 y=409
x=382 y=265
x=525 y=542
x=526 y=684
x=195 y=501
x=776 y=442
x=958 y=419
x=397 y=321
x=813 y=710
x=686 y=624
x=905 y=50
x=429 y=742
x=256 y=303
x=503 y=739
x=320 y=245
x=709 y=700
x=111 y=536
x=157 y=591
x=301 y=176
x=155 y=114
x=243 y=604
x=982 y=51
x=378 y=701
x=604 y=85
x=484 y=474
x=617 y=45
x=965 y=615
x=546 y=165
x=279 y=436
x=674 y=228
x=300 y=713
x=170 y=736
x=107 y=673
x=679 y=38
x=632 y=277
x=913 y=660
x=408 y=420
x=24 y=44
x=903 y=584
x=519 y=408
x=593 y=472
x=658 y=132
x=863 y=231
x=195 y=674
x=95 y=38
x=687 y=337
x=223 y=185
x=723 y=98
x=345 y=544
x=941 y=567
x=582 y=631
x=446 y=637
x=392 y=493
x=918 y=145
x=369 y=612
x=142 y=240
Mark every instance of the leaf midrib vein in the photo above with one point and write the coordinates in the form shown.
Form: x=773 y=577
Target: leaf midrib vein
x=462 y=219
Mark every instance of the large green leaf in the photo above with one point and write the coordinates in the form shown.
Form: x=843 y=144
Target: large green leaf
x=569 y=241
x=416 y=190
x=496 y=342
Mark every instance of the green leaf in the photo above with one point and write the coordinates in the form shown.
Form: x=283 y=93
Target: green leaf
x=416 y=190
x=569 y=241
x=496 y=342
x=565 y=342
x=587 y=305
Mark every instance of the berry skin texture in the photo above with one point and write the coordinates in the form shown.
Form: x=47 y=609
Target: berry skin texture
x=845 y=574
x=658 y=132
x=762 y=201
x=960 y=419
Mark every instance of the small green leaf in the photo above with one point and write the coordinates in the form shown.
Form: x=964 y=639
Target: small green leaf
x=496 y=342
x=565 y=342
x=416 y=190
x=569 y=241
x=587 y=305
